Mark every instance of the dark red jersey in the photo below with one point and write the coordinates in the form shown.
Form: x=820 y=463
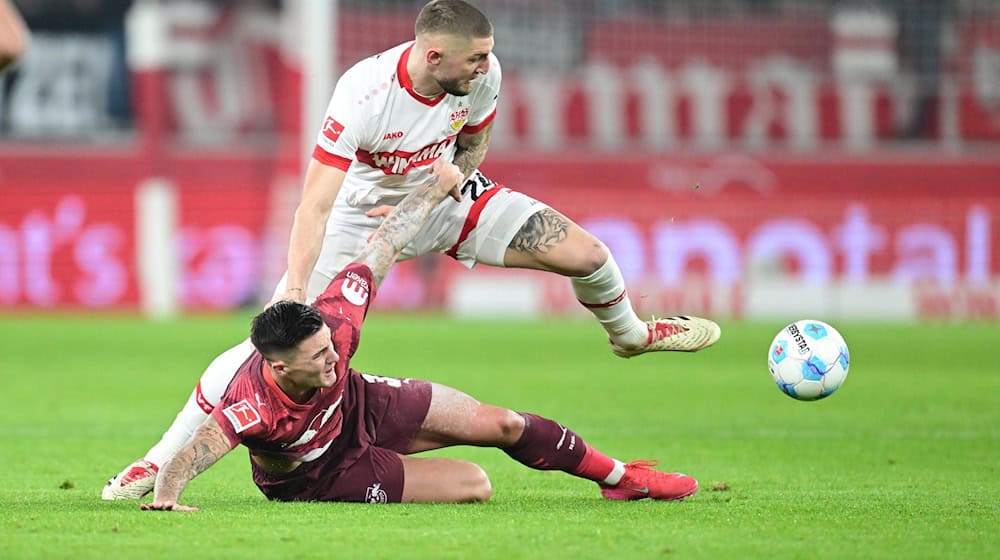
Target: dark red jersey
x=254 y=411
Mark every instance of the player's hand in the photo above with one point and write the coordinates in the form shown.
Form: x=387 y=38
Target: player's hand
x=449 y=177
x=165 y=505
x=380 y=212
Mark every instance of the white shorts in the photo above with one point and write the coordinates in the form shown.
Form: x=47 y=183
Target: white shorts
x=477 y=230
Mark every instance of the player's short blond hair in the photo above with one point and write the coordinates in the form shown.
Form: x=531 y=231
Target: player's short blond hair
x=453 y=17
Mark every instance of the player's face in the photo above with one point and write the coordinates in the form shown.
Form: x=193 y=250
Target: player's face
x=311 y=365
x=462 y=61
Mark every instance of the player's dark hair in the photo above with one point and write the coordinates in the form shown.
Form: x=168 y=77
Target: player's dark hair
x=453 y=17
x=283 y=326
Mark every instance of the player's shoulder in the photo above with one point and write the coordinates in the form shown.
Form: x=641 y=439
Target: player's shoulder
x=366 y=86
x=374 y=73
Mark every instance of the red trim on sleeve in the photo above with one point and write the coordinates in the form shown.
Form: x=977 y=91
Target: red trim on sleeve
x=472 y=129
x=333 y=160
x=203 y=403
x=472 y=219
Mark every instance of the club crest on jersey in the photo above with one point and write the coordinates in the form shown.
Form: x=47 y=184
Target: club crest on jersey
x=332 y=129
x=458 y=118
x=355 y=289
x=375 y=494
x=242 y=415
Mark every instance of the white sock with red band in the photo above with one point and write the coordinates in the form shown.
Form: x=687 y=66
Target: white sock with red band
x=604 y=294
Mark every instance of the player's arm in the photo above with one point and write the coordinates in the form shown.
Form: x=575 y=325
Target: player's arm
x=471 y=150
x=407 y=218
x=206 y=447
x=13 y=34
x=319 y=192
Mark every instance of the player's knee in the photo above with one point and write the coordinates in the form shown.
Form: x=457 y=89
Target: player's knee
x=590 y=257
x=497 y=426
x=510 y=426
x=476 y=486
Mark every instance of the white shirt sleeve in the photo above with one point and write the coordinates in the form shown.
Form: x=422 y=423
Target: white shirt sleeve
x=342 y=132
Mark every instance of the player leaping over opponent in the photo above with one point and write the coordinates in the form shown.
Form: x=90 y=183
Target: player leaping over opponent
x=390 y=117
x=319 y=431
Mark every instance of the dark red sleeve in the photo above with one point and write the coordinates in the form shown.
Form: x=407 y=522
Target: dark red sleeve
x=239 y=413
x=344 y=305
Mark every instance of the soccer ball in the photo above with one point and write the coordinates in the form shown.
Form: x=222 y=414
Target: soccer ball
x=808 y=360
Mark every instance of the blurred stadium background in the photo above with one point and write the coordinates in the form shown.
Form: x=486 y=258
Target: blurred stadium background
x=742 y=158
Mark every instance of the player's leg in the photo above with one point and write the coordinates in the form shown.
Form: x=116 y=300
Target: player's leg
x=506 y=228
x=550 y=241
x=455 y=418
x=440 y=480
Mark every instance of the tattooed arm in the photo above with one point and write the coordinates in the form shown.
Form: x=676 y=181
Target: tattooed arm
x=471 y=150
x=406 y=219
x=207 y=446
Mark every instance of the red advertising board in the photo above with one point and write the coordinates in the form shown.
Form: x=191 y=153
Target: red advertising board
x=924 y=219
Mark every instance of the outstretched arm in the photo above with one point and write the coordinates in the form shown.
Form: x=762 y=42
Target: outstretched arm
x=406 y=219
x=322 y=184
x=207 y=445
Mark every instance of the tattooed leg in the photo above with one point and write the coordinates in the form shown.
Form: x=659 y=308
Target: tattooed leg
x=550 y=241
x=541 y=233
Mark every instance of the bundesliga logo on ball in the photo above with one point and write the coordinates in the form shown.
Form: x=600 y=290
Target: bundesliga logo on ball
x=808 y=360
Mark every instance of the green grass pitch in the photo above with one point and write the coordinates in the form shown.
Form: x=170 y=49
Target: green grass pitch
x=902 y=462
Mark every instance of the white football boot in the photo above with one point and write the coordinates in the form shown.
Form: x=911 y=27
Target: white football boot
x=674 y=334
x=134 y=482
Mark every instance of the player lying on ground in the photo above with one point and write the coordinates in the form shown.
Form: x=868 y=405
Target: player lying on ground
x=390 y=117
x=320 y=431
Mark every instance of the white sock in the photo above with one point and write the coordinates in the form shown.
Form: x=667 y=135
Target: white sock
x=206 y=395
x=603 y=293
x=616 y=474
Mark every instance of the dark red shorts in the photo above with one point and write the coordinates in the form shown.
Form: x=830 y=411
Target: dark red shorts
x=382 y=415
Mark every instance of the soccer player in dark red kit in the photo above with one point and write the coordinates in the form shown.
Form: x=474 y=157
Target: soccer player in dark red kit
x=318 y=430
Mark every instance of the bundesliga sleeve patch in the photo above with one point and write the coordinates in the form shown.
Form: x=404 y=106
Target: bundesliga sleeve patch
x=242 y=415
x=332 y=129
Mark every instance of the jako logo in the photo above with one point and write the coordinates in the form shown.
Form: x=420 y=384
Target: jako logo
x=393 y=135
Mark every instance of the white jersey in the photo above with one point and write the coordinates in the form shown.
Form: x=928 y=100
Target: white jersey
x=385 y=135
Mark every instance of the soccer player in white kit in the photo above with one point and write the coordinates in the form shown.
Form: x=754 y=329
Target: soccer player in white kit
x=391 y=116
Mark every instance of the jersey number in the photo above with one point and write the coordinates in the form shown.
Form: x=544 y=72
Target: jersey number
x=390 y=381
x=476 y=185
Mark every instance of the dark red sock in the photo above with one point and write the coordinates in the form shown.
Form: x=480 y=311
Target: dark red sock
x=595 y=465
x=546 y=445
